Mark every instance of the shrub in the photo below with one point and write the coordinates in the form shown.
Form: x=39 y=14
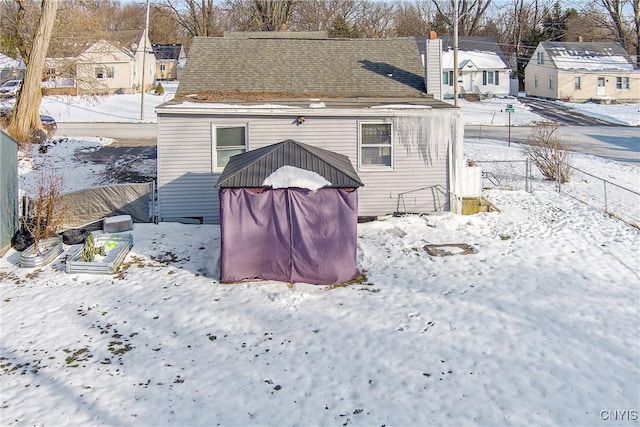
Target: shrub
x=548 y=152
x=159 y=89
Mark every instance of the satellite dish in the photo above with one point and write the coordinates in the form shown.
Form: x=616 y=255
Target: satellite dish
x=134 y=46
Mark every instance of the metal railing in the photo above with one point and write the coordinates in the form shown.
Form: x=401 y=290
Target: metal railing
x=434 y=198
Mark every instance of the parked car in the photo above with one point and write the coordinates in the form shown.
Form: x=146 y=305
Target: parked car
x=48 y=123
x=10 y=88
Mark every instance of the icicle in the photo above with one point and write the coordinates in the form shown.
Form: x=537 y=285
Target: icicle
x=429 y=135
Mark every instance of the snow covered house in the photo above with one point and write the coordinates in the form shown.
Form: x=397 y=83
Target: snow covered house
x=483 y=70
x=582 y=71
x=362 y=98
x=170 y=60
x=105 y=68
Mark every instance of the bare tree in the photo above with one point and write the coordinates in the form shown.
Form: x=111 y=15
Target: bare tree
x=195 y=17
x=412 y=19
x=319 y=15
x=26 y=117
x=271 y=15
x=470 y=14
x=375 y=19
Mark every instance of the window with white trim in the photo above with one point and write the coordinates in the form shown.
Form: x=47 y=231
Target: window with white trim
x=622 y=83
x=447 y=78
x=535 y=81
x=376 y=147
x=228 y=141
x=550 y=82
x=104 y=73
x=163 y=67
x=540 y=57
x=577 y=83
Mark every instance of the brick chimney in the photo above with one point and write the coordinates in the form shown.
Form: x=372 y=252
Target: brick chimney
x=433 y=35
x=580 y=39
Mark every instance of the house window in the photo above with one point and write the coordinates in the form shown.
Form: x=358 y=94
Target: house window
x=375 y=145
x=622 y=83
x=577 y=82
x=229 y=141
x=535 y=81
x=551 y=82
x=104 y=73
x=490 y=78
x=163 y=67
x=540 y=57
x=447 y=78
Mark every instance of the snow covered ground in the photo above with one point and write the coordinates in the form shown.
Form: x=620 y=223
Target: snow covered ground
x=539 y=327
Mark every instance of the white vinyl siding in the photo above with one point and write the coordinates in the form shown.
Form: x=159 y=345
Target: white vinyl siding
x=187 y=183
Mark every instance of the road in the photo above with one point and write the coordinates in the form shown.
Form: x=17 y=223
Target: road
x=620 y=143
x=558 y=113
x=127 y=134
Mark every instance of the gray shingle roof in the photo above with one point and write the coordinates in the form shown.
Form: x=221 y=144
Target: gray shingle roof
x=249 y=170
x=339 y=68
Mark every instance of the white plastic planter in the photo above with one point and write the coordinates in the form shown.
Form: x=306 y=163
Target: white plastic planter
x=49 y=249
x=117 y=246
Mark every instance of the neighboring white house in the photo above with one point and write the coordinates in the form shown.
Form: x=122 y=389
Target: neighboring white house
x=582 y=71
x=482 y=68
x=106 y=68
x=363 y=98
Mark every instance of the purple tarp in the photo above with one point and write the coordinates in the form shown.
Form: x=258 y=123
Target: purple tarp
x=290 y=235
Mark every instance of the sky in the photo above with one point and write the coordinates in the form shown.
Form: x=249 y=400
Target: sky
x=539 y=326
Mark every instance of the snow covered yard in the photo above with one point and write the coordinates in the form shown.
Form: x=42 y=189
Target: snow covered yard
x=539 y=327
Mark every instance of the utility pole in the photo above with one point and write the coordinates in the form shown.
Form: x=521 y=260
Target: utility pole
x=145 y=36
x=456 y=89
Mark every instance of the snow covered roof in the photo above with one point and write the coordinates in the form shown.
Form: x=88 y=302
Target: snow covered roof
x=589 y=56
x=482 y=60
x=10 y=63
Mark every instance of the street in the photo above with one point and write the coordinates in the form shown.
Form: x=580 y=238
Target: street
x=621 y=143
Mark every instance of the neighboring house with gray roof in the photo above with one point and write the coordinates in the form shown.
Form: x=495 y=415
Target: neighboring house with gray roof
x=582 y=71
x=483 y=69
x=362 y=98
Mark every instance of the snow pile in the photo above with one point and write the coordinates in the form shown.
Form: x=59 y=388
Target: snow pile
x=291 y=176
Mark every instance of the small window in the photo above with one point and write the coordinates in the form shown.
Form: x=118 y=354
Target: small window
x=104 y=73
x=550 y=82
x=577 y=83
x=375 y=145
x=540 y=58
x=535 y=81
x=230 y=140
x=622 y=83
x=163 y=67
x=447 y=78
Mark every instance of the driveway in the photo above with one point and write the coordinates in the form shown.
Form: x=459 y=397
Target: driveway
x=558 y=113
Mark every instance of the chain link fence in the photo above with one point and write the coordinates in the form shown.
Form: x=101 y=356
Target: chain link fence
x=619 y=202
x=613 y=199
x=506 y=174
